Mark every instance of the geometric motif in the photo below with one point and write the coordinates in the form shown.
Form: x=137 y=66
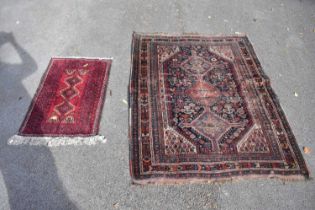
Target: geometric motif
x=196 y=65
x=176 y=144
x=204 y=80
x=223 y=51
x=201 y=108
x=254 y=143
x=65 y=107
x=210 y=125
x=166 y=51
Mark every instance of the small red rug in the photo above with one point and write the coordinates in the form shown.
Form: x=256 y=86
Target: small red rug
x=202 y=109
x=69 y=99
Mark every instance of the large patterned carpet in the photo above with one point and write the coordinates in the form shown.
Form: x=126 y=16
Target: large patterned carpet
x=203 y=110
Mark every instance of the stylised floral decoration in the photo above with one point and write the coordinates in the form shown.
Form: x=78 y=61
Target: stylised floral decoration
x=202 y=108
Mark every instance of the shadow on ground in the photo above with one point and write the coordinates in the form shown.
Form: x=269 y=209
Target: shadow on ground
x=29 y=173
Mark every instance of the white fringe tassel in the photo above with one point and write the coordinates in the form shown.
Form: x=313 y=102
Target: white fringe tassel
x=56 y=141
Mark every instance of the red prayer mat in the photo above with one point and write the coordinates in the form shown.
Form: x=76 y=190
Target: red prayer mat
x=69 y=99
x=202 y=109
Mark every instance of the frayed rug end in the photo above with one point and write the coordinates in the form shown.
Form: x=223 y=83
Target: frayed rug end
x=56 y=141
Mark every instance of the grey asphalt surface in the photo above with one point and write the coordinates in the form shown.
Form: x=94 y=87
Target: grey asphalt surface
x=97 y=177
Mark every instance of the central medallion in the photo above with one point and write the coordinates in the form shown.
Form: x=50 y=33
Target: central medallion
x=203 y=93
x=204 y=103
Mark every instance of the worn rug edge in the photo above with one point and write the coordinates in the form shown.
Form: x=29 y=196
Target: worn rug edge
x=221 y=180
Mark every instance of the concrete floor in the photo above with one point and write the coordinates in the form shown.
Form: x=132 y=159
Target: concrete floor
x=97 y=177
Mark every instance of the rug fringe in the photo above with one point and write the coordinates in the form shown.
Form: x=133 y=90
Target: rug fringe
x=197 y=34
x=172 y=181
x=84 y=57
x=55 y=141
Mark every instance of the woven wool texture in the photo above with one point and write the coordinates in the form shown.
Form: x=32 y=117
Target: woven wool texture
x=201 y=109
x=69 y=99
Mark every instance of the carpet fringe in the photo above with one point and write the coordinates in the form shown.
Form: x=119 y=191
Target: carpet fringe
x=85 y=57
x=56 y=141
x=192 y=34
x=172 y=181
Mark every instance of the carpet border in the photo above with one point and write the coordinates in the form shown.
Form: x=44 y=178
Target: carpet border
x=276 y=101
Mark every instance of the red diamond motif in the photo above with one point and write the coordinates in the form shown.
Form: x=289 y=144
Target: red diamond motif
x=203 y=92
x=73 y=80
x=69 y=93
x=64 y=108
